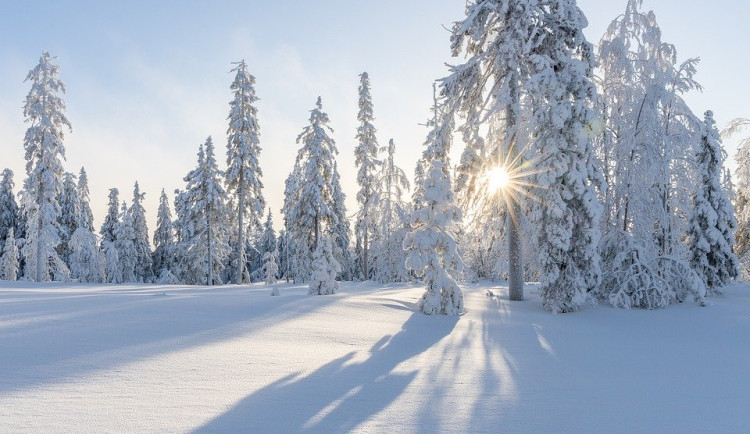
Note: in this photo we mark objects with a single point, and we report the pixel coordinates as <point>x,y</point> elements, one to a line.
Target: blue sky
<point>148,81</point>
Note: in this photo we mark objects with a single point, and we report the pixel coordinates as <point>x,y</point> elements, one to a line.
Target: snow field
<point>234,359</point>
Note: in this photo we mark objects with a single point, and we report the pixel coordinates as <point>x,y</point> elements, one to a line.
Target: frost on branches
<point>44,148</point>
<point>324,269</point>
<point>712,224</point>
<point>9,213</point>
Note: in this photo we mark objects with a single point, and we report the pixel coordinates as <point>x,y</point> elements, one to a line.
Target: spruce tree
<point>9,212</point>
<point>70,213</point>
<point>144,264</point>
<point>206,237</point>
<point>366,160</point>
<point>243,175</point>
<point>107,231</point>
<point>712,224</point>
<point>125,245</point>
<point>164,242</point>
<point>86,217</point>
<point>432,249</point>
<point>43,143</point>
<point>324,269</point>
<point>10,257</point>
<point>310,210</point>
<point>392,214</point>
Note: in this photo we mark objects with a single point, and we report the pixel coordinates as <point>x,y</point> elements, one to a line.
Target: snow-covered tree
<point>741,193</point>
<point>43,143</point>
<point>267,241</point>
<point>204,235</point>
<point>285,256</point>
<point>10,257</point>
<point>125,244</point>
<point>9,212</point>
<point>112,218</point>
<point>341,231</point>
<point>243,175</point>
<point>164,243</point>
<point>367,162</point>
<point>325,268</point>
<point>270,267</point>
<point>86,217</point>
<point>568,212</point>
<point>389,257</point>
<point>143,264</point>
<point>85,260</point>
<point>309,209</point>
<point>112,267</point>
<point>70,214</point>
<point>712,223</point>
<point>432,249</point>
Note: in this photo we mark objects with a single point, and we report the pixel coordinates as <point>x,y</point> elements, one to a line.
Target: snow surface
<point>125,358</point>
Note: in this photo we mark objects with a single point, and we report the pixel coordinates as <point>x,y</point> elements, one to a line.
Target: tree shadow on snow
<point>341,394</point>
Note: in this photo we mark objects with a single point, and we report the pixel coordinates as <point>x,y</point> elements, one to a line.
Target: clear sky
<point>148,81</point>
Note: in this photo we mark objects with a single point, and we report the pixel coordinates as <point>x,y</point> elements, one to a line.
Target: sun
<point>498,179</point>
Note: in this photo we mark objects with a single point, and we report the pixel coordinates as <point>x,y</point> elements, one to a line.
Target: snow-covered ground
<point>234,359</point>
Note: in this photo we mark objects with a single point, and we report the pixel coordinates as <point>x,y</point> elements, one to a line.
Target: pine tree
<point>270,267</point>
<point>43,143</point>
<point>205,237</point>
<point>325,268</point>
<point>432,249</point>
<point>164,242</point>
<point>389,257</point>
<point>309,210</point>
<point>144,264</point>
<point>112,218</point>
<point>267,240</point>
<point>243,175</point>
<point>341,231</point>
<point>112,267</point>
<point>9,212</point>
<point>86,217</point>
<point>70,213</point>
<point>10,257</point>
<point>366,160</point>
<point>125,244</point>
<point>85,259</point>
<point>742,193</point>
<point>712,224</point>
<point>568,212</point>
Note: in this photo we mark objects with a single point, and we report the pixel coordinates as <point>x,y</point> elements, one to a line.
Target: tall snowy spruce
<point>432,249</point>
<point>366,160</point>
<point>9,212</point>
<point>205,236</point>
<point>309,208</point>
<point>43,143</point>
<point>712,223</point>
<point>243,175</point>
<point>389,257</point>
<point>143,264</point>
<point>568,212</point>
